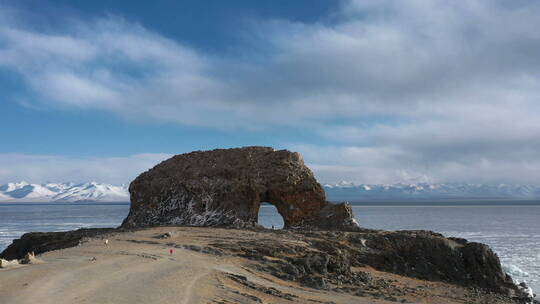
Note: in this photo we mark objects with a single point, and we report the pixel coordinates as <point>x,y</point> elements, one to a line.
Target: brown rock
<point>225,187</point>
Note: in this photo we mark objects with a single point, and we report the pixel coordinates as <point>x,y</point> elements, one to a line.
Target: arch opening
<point>268,216</point>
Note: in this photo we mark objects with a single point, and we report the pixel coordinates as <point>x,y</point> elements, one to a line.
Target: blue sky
<point>367,91</point>
<point>208,27</point>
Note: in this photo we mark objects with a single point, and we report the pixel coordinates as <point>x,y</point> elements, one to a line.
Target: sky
<point>367,91</point>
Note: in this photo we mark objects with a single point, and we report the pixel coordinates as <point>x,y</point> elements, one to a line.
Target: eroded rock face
<point>225,187</point>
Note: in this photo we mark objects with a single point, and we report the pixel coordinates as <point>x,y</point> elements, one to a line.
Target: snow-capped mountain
<point>63,192</point>
<point>342,191</point>
<point>345,191</point>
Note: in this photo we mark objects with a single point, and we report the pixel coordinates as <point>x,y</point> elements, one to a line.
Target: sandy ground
<point>136,267</point>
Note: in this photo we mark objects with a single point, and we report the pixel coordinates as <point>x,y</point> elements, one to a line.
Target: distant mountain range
<point>343,191</point>
<point>63,192</point>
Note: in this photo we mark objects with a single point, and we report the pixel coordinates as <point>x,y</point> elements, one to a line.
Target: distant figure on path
<point>171,251</point>
<point>106,242</point>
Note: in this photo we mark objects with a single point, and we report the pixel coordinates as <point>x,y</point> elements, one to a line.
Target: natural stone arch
<point>225,187</point>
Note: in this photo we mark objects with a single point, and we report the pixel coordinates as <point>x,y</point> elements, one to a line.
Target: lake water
<point>512,231</point>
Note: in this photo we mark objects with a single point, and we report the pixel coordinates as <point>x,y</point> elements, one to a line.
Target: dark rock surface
<point>40,242</point>
<point>267,290</point>
<point>225,187</point>
<point>329,258</point>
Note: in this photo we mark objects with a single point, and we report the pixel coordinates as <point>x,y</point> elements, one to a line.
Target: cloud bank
<point>47,168</point>
<point>393,91</point>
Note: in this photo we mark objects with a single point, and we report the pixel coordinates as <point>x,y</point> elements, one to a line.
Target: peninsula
<point>192,236</point>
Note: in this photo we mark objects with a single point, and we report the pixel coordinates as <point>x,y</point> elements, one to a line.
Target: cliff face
<point>225,187</point>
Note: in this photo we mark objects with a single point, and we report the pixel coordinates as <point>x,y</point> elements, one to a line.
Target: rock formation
<point>30,258</point>
<point>225,187</point>
<point>40,242</point>
<point>332,257</point>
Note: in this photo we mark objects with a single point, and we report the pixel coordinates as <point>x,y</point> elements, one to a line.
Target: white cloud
<point>371,165</point>
<point>51,168</point>
<point>387,166</point>
<point>447,90</point>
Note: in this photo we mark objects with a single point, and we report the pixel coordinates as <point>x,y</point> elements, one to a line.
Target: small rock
<point>361,293</point>
<point>363,242</point>
<point>525,293</point>
<point>30,258</point>
<point>166,235</point>
<point>364,277</point>
<point>291,269</point>
<point>391,298</point>
<point>6,263</point>
<point>314,282</point>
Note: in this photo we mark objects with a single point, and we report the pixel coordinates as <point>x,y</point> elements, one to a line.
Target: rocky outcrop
<point>225,187</point>
<point>421,254</point>
<point>40,242</point>
<point>330,260</point>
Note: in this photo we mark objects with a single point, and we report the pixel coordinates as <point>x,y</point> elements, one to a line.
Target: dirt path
<point>122,272</point>
<point>192,287</point>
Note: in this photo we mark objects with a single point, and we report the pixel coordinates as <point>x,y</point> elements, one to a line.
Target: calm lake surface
<point>512,231</point>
